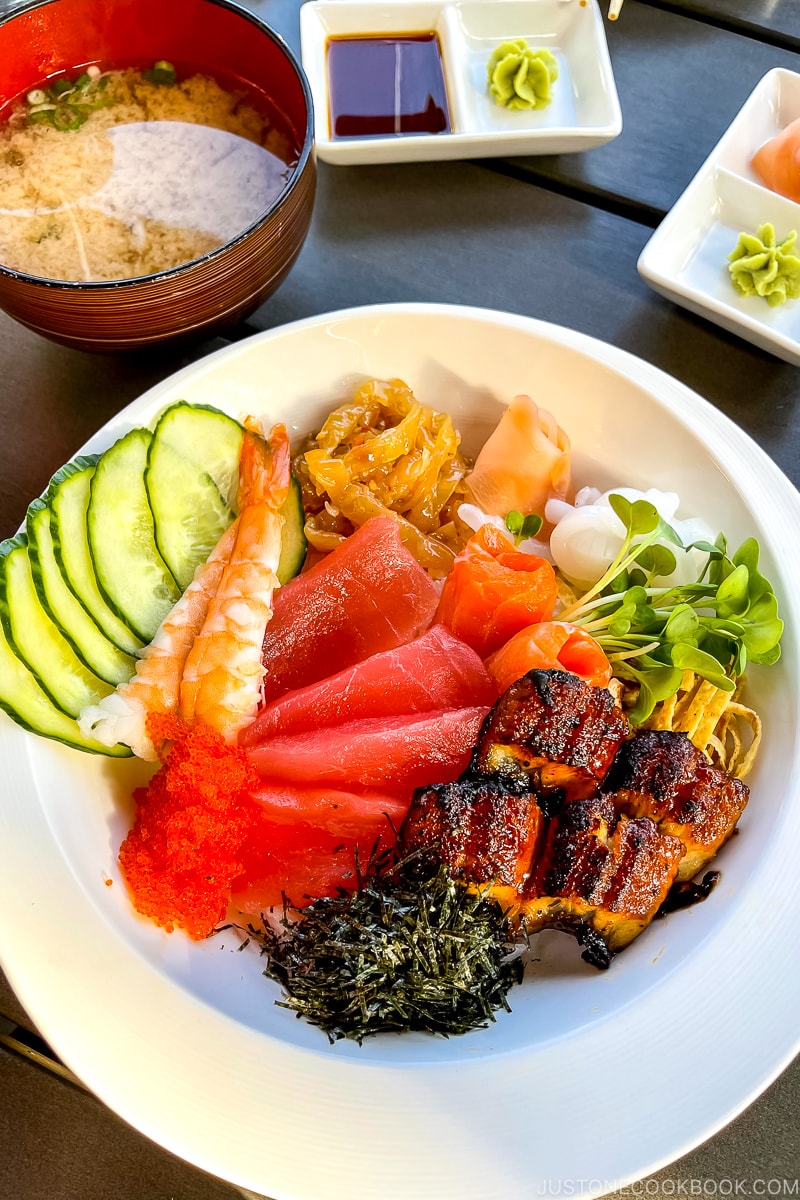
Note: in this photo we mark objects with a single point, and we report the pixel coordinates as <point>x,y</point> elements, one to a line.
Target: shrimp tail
<point>264,466</point>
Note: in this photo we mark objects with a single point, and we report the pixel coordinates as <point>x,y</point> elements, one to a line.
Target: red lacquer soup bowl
<point>42,43</point>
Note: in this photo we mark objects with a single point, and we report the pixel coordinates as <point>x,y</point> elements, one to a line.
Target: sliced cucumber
<point>293,538</point>
<point>68,500</point>
<point>189,513</point>
<point>37,641</point>
<point>131,574</point>
<point>192,463</point>
<point>87,640</point>
<point>26,703</point>
<point>208,438</point>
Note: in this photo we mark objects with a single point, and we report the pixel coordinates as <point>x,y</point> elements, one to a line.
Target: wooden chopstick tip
<point>614,9</point>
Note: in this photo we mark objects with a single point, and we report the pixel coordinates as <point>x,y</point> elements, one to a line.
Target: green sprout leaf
<point>727,618</point>
<point>657,560</point>
<point>689,658</point>
<point>682,625</point>
<point>522,527</point>
<point>733,594</point>
<point>656,683</point>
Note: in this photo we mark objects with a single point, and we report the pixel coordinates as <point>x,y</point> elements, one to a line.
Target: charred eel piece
<point>601,875</point>
<point>662,775</point>
<point>484,831</point>
<point>553,732</point>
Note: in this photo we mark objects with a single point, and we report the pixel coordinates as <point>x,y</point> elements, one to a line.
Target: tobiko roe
<point>192,822</point>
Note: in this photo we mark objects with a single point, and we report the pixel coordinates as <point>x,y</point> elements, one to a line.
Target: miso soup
<point>128,172</point>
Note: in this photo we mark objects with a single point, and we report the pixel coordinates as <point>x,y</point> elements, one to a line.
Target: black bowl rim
<point>110,285</point>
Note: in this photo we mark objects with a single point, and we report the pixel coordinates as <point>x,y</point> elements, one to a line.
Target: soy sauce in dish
<point>389,84</point>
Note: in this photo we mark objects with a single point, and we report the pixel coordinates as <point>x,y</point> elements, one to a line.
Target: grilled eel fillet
<point>552,732</point>
<point>570,822</point>
<point>662,775</point>
<point>588,870</point>
<point>481,829</point>
<point>601,875</point>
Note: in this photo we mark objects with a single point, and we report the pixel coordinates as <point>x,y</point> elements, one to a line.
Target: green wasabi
<point>760,265</point>
<point>521,78</point>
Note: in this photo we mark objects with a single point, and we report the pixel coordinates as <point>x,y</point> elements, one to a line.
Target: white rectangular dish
<point>686,259</point>
<point>584,111</point>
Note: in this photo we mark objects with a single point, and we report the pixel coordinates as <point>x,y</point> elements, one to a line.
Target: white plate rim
<point>292,1094</point>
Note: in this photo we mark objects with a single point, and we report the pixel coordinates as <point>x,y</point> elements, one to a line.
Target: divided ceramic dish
<point>686,258</point>
<point>584,111</point>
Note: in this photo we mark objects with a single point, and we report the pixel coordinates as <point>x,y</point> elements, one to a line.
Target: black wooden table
<point>466,233</point>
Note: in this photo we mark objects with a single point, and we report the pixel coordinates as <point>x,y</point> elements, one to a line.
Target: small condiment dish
<point>686,259</point>
<point>584,110</point>
<point>40,41</point>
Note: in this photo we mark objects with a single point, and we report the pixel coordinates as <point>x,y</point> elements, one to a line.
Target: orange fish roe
<point>192,821</point>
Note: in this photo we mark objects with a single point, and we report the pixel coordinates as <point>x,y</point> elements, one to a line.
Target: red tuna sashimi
<point>303,863</point>
<point>368,595</point>
<point>435,671</point>
<point>395,752</point>
<point>344,813</point>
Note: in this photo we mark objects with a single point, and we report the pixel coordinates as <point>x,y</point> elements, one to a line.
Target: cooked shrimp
<point>155,687</point>
<point>221,683</point>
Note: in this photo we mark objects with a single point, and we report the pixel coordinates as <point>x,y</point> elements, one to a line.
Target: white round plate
<point>595,1079</point>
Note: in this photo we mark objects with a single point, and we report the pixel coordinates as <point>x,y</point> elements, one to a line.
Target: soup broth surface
<point>126,176</point>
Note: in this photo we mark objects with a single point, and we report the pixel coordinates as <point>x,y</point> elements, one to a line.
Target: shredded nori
<point>405,951</point>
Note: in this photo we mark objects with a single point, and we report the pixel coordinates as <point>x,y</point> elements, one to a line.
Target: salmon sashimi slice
<point>368,595</point>
<point>494,590</point>
<point>435,671</point>
<point>550,645</point>
<point>399,753</point>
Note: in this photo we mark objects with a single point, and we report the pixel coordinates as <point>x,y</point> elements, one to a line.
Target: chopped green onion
<point>36,97</point>
<point>65,117</point>
<point>161,72</point>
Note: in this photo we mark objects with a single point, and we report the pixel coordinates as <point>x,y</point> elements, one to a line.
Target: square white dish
<point>584,111</point>
<point>686,258</point>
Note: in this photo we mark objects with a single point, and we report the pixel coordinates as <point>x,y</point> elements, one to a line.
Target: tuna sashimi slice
<point>302,863</point>
<point>338,811</point>
<point>368,595</point>
<point>435,671</point>
<point>393,752</point>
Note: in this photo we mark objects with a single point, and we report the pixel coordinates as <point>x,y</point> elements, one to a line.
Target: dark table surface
<point>467,233</point>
